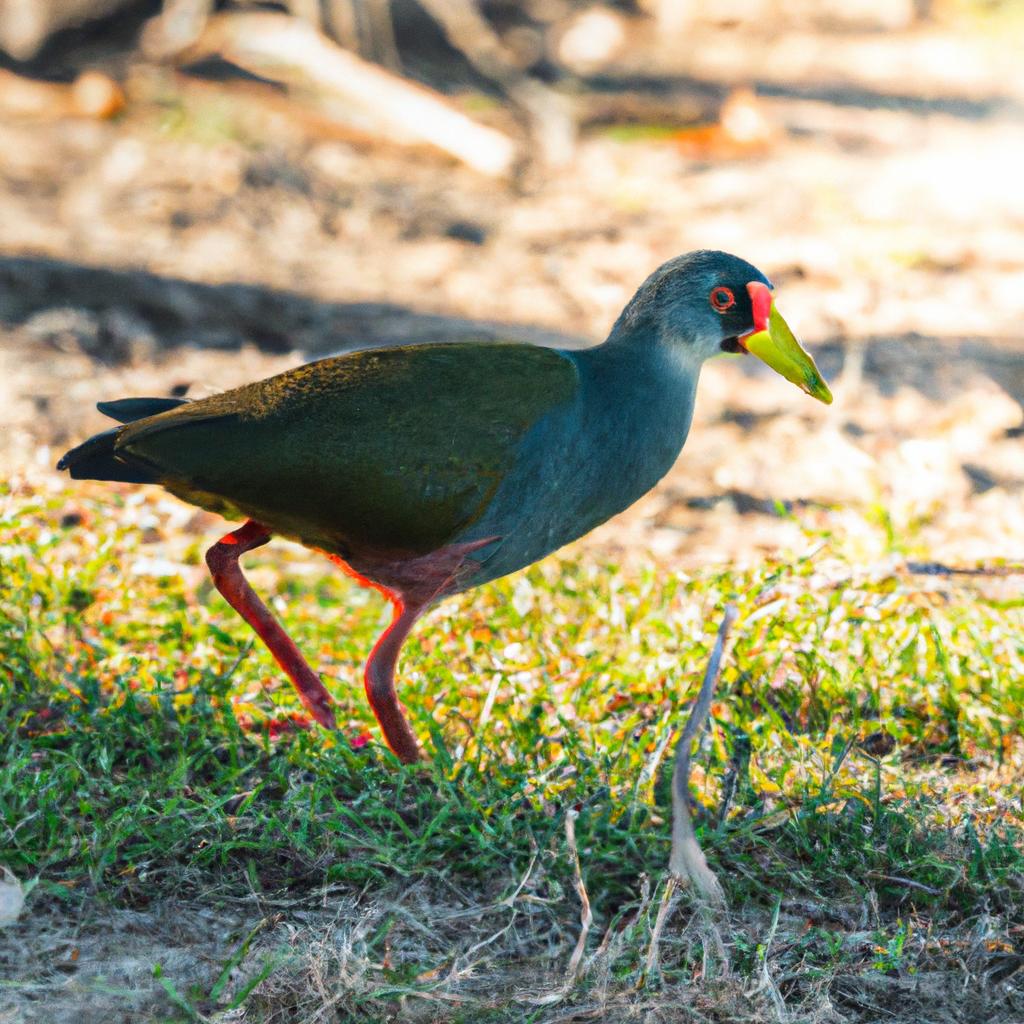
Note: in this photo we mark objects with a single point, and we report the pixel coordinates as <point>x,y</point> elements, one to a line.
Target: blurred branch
<point>552,124</point>
<point>92,94</point>
<point>342,22</point>
<point>366,97</point>
<point>25,25</point>
<point>177,27</point>
<point>381,45</point>
<point>366,27</point>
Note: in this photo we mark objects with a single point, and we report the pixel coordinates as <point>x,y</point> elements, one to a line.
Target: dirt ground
<point>198,242</point>
<point>87,973</point>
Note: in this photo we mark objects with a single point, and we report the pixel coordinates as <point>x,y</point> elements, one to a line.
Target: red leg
<point>222,559</point>
<point>413,585</point>
<point>380,683</point>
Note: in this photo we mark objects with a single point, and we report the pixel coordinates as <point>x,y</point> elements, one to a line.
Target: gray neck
<point>639,396</point>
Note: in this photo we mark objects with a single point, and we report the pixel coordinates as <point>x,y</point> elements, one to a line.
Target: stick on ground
<point>687,860</point>
<point>576,965</point>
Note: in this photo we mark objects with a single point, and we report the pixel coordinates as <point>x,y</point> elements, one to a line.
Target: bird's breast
<point>586,464</point>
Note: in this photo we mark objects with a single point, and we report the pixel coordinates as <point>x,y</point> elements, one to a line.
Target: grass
<point>859,785</point>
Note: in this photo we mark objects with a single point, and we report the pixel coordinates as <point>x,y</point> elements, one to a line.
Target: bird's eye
<point>722,299</point>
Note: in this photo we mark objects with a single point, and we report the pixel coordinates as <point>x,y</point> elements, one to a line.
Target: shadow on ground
<point>172,312</point>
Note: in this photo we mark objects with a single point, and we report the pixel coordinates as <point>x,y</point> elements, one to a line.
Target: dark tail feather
<point>96,459</point>
<point>128,410</point>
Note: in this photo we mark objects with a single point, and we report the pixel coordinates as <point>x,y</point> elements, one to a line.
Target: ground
<point>196,855</point>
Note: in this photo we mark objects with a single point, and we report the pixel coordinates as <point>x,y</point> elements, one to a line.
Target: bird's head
<point>708,302</point>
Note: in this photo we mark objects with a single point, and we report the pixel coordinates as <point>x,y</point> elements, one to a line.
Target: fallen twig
<point>938,569</point>
<point>357,93</point>
<point>765,983</point>
<point>573,971</point>
<point>586,917</point>
<point>908,882</point>
<point>668,902</point>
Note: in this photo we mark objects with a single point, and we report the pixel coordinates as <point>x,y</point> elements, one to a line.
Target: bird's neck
<point>639,396</point>
<point>643,382</point>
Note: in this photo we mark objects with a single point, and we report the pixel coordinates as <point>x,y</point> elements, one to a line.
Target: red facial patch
<point>722,299</point>
<point>760,304</point>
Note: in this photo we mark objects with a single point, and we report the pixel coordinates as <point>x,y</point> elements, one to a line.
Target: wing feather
<point>398,449</point>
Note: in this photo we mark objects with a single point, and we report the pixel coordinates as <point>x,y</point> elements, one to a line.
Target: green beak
<point>777,346</point>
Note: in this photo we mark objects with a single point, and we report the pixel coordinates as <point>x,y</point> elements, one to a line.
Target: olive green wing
<point>397,449</point>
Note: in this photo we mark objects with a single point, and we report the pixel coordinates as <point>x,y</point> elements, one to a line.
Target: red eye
<point>722,299</point>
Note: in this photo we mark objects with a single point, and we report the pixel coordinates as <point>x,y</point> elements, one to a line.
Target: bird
<point>427,470</point>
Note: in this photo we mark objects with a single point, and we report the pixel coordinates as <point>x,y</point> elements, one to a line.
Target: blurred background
<point>195,194</point>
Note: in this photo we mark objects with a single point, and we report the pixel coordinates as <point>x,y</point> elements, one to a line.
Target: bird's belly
<point>417,579</point>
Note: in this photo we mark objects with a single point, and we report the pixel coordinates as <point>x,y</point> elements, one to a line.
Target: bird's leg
<point>222,559</point>
<point>380,682</point>
<point>413,585</point>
